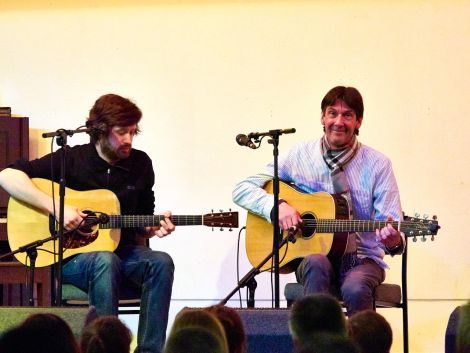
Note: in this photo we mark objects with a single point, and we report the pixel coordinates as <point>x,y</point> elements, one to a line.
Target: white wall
<point>204,71</point>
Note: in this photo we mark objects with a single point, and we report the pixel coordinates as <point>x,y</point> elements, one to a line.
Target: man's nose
<point>339,120</point>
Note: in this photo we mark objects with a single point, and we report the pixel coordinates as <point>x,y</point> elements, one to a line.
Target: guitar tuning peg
<point>212,228</point>
<point>432,237</point>
<point>221,210</point>
<point>221,229</point>
<point>212,210</point>
<point>425,216</point>
<point>423,238</point>
<point>417,215</point>
<point>230,229</point>
<point>434,218</point>
<point>414,239</point>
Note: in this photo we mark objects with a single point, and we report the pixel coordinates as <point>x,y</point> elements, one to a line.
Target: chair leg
<point>405,298</point>
<point>405,327</point>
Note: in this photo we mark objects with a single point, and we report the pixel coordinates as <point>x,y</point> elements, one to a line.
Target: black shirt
<point>131,179</point>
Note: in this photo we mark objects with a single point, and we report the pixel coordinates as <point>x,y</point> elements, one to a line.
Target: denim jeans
<point>356,286</point>
<point>101,274</point>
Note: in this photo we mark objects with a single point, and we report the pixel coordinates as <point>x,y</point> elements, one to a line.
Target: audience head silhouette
<point>463,330</point>
<point>106,334</point>
<point>327,342</point>
<point>370,331</point>
<point>40,333</point>
<point>194,340</point>
<point>198,318</point>
<point>316,313</point>
<point>233,327</point>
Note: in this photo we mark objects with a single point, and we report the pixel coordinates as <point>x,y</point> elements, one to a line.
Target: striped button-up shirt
<point>373,188</point>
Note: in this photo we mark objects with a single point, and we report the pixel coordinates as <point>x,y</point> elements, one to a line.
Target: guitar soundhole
<point>309,225</point>
<point>86,234</point>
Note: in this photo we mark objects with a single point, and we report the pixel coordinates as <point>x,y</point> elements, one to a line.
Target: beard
<point>115,154</point>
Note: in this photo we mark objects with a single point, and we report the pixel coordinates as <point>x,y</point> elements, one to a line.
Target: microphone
<point>244,140</point>
<point>96,128</point>
<point>103,218</point>
<point>63,132</point>
<point>85,228</point>
<point>292,232</point>
<point>95,218</point>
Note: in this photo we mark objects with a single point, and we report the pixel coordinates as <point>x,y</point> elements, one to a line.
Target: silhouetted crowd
<point>317,325</point>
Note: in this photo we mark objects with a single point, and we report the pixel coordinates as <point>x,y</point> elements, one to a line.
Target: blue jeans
<point>101,274</point>
<point>355,286</point>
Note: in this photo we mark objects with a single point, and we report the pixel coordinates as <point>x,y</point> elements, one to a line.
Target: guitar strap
<point>336,160</point>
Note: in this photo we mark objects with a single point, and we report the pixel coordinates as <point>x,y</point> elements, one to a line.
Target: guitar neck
<point>134,221</point>
<point>353,225</point>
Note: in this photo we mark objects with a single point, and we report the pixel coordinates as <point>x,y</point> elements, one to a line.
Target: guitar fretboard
<point>353,225</point>
<point>410,228</point>
<point>128,221</point>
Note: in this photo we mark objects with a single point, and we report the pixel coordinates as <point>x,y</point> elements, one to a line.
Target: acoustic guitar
<point>100,230</point>
<point>324,230</point>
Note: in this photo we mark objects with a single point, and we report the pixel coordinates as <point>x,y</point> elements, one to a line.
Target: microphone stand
<point>32,253</point>
<point>249,279</point>
<point>277,234</point>
<point>274,140</point>
<point>61,135</point>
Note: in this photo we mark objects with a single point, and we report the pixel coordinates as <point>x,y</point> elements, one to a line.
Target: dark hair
<point>349,95</point>
<point>326,342</point>
<point>111,110</point>
<point>40,333</point>
<point>319,312</point>
<point>193,317</point>
<point>463,329</point>
<point>233,326</point>
<point>364,325</point>
<point>106,334</point>
<point>193,340</point>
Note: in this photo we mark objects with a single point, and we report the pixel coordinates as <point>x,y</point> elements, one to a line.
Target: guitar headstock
<point>420,227</point>
<point>221,220</point>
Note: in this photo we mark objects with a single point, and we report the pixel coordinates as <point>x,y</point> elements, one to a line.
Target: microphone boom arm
<point>277,132</point>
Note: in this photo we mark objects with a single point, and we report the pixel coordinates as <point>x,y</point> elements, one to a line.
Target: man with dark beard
<point>109,162</point>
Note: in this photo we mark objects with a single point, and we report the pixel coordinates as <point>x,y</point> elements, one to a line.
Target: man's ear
<point>359,123</point>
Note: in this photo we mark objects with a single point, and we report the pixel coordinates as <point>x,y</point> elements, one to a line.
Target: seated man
<point>337,163</point>
<point>109,162</point>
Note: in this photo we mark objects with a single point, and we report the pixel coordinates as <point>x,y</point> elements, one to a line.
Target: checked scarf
<point>336,160</point>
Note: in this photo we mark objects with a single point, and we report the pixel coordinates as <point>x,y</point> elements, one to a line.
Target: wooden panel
<point>14,279</point>
<point>14,144</point>
<point>3,231</point>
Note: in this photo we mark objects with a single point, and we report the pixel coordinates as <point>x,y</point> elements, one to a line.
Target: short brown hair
<point>111,110</point>
<point>370,331</point>
<point>319,312</point>
<point>233,326</point>
<point>106,334</point>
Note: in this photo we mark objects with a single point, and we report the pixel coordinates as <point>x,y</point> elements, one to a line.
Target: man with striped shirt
<point>339,164</point>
